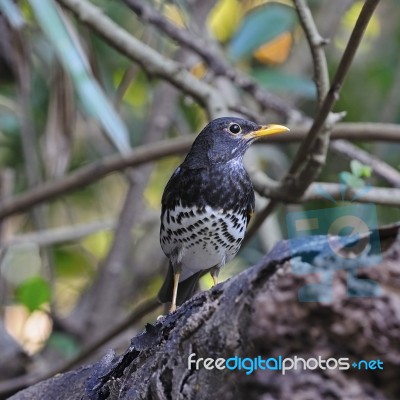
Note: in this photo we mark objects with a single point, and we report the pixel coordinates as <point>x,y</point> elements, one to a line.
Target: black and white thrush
<point>207,205</point>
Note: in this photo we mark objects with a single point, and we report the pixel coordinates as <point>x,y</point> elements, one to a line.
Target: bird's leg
<point>214,274</point>
<point>177,274</point>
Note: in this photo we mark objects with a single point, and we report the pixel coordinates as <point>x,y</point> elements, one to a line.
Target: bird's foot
<point>172,308</point>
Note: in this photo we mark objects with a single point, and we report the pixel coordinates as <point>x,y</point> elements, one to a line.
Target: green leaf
<point>360,170</point>
<point>282,82</point>
<point>74,61</point>
<point>356,167</point>
<point>71,262</point>
<point>351,180</point>
<point>33,293</point>
<point>261,26</point>
<point>63,344</point>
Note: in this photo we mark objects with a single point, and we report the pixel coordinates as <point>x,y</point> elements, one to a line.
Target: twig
<point>126,81</point>
<point>371,194</point>
<point>363,131</point>
<point>379,167</point>
<point>150,60</point>
<point>316,43</point>
<point>50,237</point>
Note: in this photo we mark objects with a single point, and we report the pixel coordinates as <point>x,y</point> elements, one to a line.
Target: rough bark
<point>258,313</point>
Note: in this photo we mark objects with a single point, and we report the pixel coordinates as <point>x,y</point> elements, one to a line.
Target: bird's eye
<point>235,129</point>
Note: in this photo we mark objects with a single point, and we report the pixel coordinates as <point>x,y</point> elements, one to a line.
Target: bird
<point>207,205</point>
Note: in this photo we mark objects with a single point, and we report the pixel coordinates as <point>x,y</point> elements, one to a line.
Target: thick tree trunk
<point>258,313</point>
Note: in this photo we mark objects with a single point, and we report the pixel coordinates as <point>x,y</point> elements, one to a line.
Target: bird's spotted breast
<point>201,238</point>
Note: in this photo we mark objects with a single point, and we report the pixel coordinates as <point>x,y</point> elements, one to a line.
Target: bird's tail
<point>186,288</point>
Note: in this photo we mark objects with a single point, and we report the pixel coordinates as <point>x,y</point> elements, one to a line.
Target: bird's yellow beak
<point>266,130</point>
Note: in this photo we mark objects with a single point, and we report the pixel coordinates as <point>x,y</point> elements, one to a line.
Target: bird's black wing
<point>169,197</point>
<point>186,186</point>
<point>250,207</point>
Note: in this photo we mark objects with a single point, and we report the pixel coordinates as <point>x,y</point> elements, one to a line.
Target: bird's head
<point>226,139</point>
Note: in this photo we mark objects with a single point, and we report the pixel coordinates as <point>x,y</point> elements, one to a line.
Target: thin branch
<point>369,194</point>
<point>150,60</point>
<point>379,167</point>
<point>211,57</point>
<point>316,43</point>
<point>363,131</point>
<point>50,237</point>
<point>266,187</point>
<point>126,81</point>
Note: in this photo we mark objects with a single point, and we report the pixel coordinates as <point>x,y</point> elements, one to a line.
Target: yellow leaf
<point>276,51</point>
<point>198,70</point>
<point>224,19</point>
<point>173,13</point>
<point>98,243</point>
<point>347,25</point>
